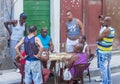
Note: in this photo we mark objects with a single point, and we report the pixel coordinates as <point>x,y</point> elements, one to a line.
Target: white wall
<point>18,9</point>
<point>55,23</point>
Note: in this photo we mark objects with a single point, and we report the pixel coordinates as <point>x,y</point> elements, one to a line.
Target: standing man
<point>105,42</point>
<point>48,46</point>
<point>33,49</point>
<point>101,21</point>
<point>86,48</point>
<point>16,33</point>
<point>102,28</point>
<point>46,40</point>
<point>74,29</point>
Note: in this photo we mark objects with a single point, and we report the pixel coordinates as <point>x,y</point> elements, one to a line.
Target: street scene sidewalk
<point>12,77</point>
<point>115,64</point>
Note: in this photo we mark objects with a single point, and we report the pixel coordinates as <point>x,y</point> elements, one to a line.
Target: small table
<point>58,57</point>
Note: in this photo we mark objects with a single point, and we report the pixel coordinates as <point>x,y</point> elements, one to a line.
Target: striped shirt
<point>105,45</point>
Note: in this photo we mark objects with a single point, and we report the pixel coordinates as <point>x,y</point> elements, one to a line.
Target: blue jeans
<point>12,49</point>
<point>33,72</point>
<point>13,43</point>
<point>104,66</point>
<point>98,59</point>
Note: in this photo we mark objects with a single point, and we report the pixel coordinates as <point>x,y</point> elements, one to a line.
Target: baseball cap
<point>107,18</point>
<point>23,15</point>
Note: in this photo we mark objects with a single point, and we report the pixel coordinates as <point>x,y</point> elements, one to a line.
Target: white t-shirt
<point>17,31</point>
<point>102,29</point>
<point>85,45</point>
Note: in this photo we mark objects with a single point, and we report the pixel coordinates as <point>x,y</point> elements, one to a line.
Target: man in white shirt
<point>101,21</point>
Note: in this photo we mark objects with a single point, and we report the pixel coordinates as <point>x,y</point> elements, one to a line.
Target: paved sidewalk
<point>115,65</point>
<point>114,61</point>
<point>12,77</point>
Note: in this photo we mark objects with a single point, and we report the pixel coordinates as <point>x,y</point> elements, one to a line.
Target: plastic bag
<point>67,75</point>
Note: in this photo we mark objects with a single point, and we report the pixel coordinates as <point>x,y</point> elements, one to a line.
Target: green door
<point>38,13</point>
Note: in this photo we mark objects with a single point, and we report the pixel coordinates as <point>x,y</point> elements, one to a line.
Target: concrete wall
<point>55,23</point>
<point>113,10</point>
<point>5,15</point>
<point>18,9</point>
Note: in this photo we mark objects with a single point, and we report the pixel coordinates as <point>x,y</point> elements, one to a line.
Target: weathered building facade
<point>2,38</point>
<point>86,10</point>
<point>5,14</point>
<point>11,9</point>
<point>113,10</point>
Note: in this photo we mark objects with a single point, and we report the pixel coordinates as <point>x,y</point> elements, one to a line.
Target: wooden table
<point>58,58</point>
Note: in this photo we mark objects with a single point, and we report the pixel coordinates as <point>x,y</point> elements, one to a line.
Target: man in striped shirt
<point>105,42</point>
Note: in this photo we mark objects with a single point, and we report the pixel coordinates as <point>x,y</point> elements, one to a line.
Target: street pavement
<point>12,77</point>
<point>115,79</point>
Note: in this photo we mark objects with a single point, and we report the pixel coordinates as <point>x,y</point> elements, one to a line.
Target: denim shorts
<point>33,71</point>
<point>70,45</point>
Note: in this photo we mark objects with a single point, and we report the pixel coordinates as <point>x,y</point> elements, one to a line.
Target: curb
<point>114,68</point>
<point>96,72</point>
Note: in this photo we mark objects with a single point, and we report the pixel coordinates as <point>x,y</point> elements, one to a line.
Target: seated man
<point>86,48</point>
<point>77,58</point>
<point>21,64</point>
<point>47,45</point>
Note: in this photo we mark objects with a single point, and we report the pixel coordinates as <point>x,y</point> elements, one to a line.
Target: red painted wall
<point>76,7</point>
<point>113,10</point>
<point>94,9</point>
<point>85,10</point>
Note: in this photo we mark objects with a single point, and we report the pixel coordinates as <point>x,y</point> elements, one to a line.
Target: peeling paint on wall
<point>113,10</point>
<point>5,8</point>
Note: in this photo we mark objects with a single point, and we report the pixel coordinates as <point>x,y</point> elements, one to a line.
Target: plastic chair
<point>78,72</point>
<point>21,67</point>
<point>91,56</point>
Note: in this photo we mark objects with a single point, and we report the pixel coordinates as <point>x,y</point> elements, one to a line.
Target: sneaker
<point>98,80</point>
<point>17,70</point>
